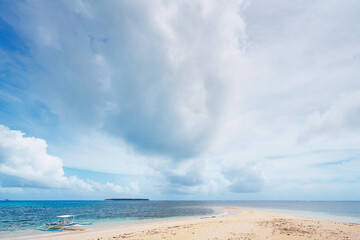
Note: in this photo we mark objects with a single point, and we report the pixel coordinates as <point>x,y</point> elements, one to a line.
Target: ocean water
<point>342,211</point>
<point>20,218</point>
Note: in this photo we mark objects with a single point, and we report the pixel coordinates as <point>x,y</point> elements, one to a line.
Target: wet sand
<point>237,224</point>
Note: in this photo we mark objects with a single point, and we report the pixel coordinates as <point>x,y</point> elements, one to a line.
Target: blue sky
<point>244,99</point>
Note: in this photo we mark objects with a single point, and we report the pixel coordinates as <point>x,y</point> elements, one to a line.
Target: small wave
<point>17,220</point>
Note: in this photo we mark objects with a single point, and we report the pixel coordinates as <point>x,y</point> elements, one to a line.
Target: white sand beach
<point>237,224</point>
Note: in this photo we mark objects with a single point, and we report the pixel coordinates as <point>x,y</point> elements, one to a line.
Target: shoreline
<point>309,214</point>
<point>114,225</point>
<point>237,223</point>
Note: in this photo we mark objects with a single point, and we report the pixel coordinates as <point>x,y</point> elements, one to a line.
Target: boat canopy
<point>66,216</point>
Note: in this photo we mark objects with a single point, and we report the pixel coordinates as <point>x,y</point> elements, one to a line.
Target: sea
<point>22,218</point>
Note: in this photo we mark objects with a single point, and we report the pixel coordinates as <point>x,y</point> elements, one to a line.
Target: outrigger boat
<point>65,222</point>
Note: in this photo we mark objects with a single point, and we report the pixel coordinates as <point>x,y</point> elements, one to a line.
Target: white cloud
<point>153,76</point>
<point>90,151</point>
<point>26,159</point>
<point>24,162</point>
<point>243,176</point>
<point>343,115</point>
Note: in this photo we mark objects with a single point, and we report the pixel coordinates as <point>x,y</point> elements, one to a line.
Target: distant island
<point>127,199</point>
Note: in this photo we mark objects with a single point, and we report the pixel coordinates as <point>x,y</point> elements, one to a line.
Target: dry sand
<point>239,224</point>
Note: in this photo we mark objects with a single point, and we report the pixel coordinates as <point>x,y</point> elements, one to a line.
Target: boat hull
<point>71,227</point>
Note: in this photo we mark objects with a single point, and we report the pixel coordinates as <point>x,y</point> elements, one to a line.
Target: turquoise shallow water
<point>23,217</point>
<point>19,218</point>
<point>342,211</point>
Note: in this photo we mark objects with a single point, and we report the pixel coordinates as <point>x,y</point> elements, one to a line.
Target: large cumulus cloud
<point>25,163</point>
<point>150,73</point>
